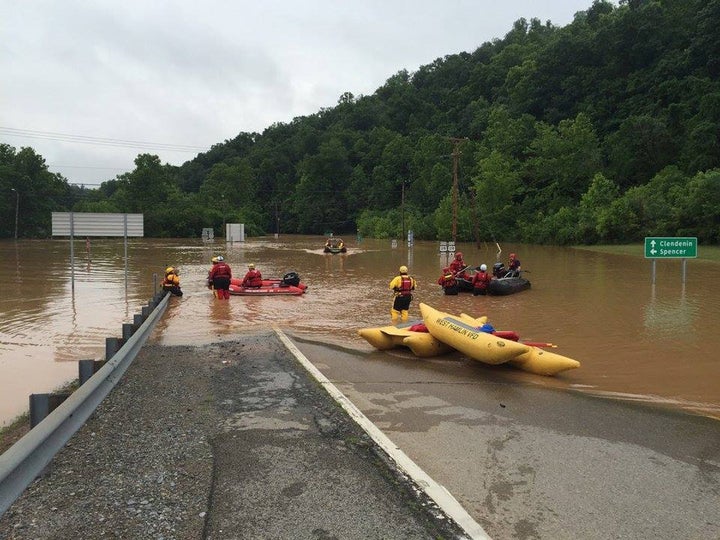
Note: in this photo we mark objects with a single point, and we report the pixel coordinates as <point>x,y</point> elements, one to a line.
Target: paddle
<point>461,271</point>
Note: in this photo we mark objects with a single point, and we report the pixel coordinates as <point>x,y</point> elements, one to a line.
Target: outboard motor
<point>291,278</point>
<point>499,269</point>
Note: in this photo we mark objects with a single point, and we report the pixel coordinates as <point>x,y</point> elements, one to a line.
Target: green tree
<point>320,203</point>
<point>640,148</point>
<point>600,195</point>
<point>699,207</point>
<point>496,185</point>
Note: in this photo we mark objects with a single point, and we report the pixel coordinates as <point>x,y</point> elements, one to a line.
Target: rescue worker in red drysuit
<point>402,286</point>
<point>481,280</point>
<point>219,276</point>
<point>253,278</point>
<point>448,282</point>
<point>458,266</point>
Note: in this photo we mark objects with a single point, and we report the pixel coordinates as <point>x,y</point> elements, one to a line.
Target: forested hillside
<point>605,130</point>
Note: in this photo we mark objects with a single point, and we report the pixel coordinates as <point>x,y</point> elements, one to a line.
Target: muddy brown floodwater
<point>635,340</point>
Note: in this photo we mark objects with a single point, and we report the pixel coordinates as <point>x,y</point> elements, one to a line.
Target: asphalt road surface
<point>529,462</point>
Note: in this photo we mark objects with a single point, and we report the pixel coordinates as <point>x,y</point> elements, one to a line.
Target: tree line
<point>605,130</point>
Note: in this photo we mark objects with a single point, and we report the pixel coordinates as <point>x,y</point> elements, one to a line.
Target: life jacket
<point>406,286</point>
<point>220,270</point>
<point>481,280</point>
<point>253,279</point>
<point>170,280</point>
<point>447,280</point>
<point>456,266</point>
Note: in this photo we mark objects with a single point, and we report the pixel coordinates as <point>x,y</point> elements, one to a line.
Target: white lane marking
<point>438,493</point>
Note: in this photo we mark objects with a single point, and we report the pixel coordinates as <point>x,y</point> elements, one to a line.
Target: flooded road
<point>635,341</point>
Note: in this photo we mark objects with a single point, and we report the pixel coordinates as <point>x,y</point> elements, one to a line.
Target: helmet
<point>403,269</point>
<point>214,260</point>
<point>483,268</point>
<point>169,270</point>
<point>220,258</point>
<point>251,265</point>
<point>512,255</point>
<point>458,255</point>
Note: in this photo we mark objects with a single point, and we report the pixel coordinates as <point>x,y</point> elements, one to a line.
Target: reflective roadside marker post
<point>661,247</point>
<point>447,250</point>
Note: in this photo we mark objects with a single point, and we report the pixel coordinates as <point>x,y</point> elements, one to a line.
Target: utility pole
<point>456,156</point>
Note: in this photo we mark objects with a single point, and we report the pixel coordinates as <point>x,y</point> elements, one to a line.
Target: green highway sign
<point>670,247</point>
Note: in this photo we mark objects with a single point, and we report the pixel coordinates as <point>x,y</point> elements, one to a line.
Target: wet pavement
<point>529,462</point>
<point>228,440</point>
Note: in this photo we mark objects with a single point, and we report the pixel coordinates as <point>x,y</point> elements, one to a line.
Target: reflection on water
<point>672,317</point>
<point>635,340</point>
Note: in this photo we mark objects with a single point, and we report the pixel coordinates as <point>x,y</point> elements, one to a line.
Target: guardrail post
<point>39,408</point>
<point>43,404</point>
<point>112,345</point>
<point>146,311</point>
<point>87,368</point>
<point>127,331</point>
<point>138,320</point>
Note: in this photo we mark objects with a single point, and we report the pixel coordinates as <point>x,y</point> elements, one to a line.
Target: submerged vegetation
<point>602,131</point>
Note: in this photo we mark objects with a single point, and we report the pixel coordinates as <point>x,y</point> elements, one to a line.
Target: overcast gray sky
<point>83,82</point>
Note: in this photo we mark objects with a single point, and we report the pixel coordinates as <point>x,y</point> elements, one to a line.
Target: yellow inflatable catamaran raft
<point>422,344</point>
<point>459,334</point>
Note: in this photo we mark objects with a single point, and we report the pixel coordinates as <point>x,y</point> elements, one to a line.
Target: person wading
<point>402,286</point>
<point>220,275</point>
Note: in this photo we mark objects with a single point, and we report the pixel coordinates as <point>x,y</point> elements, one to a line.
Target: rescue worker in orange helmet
<point>458,266</point>
<point>402,286</point>
<point>513,266</point>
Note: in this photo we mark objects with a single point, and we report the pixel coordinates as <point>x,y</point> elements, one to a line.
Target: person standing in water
<point>402,286</point>
<point>481,280</point>
<point>220,276</point>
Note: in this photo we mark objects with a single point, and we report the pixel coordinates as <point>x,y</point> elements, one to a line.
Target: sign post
<point>661,247</point>
<point>96,224</point>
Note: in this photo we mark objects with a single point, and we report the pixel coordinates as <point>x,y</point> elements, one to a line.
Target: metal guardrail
<point>27,458</point>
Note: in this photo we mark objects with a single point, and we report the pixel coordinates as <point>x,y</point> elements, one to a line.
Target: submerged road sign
<point>670,247</point>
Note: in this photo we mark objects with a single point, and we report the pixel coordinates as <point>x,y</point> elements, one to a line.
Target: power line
<point>98,141</point>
